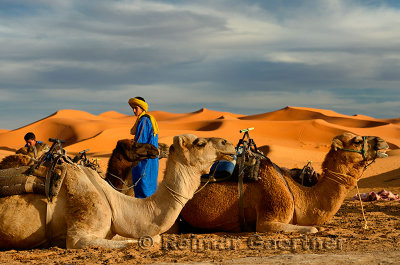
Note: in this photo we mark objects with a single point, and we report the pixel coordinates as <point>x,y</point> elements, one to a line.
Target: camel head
<point>199,153</point>
<point>136,152</point>
<point>355,149</point>
<point>16,160</point>
<point>163,149</point>
<point>40,150</point>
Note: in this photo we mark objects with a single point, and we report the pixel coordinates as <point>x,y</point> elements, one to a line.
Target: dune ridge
<point>292,131</point>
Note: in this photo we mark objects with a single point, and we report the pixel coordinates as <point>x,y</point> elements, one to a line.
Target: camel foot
<point>83,242</point>
<point>282,227</point>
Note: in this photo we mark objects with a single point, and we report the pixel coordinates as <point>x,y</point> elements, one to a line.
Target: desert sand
<point>290,136</point>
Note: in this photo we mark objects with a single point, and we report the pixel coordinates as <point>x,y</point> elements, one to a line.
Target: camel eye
<point>358,141</point>
<point>199,143</point>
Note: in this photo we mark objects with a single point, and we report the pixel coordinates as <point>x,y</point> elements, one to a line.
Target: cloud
<point>93,56</point>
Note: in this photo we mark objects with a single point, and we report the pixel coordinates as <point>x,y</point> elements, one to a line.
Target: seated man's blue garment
<point>145,174</point>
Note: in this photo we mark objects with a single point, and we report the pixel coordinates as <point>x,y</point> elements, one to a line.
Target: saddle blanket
<point>383,195</point>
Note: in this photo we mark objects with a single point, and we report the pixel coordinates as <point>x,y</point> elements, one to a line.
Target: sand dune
<point>112,114</point>
<point>293,113</point>
<point>292,135</point>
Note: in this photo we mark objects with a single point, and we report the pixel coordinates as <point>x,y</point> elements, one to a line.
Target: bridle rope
<point>176,195</point>
<point>339,177</point>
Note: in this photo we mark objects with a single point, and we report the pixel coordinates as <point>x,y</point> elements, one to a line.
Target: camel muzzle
<point>381,148</point>
<point>226,156</point>
<point>381,154</point>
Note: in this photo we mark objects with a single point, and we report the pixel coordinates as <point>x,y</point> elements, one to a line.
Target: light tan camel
<point>271,205</point>
<point>88,211</point>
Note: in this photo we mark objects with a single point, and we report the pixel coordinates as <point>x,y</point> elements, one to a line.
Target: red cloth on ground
<point>383,195</point>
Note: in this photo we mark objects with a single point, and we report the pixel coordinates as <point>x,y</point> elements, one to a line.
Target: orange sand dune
<point>203,114</point>
<point>112,114</point>
<point>292,135</point>
<point>294,113</point>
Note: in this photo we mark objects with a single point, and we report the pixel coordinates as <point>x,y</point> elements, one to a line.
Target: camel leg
<point>269,226</point>
<point>88,241</point>
<point>83,241</point>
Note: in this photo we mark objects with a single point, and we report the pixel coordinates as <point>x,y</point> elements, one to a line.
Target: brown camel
<point>122,159</point>
<point>89,212</point>
<point>22,157</point>
<point>278,203</point>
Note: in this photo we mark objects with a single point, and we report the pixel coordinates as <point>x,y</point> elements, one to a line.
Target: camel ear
<point>22,150</point>
<point>181,141</point>
<point>121,145</point>
<point>337,144</point>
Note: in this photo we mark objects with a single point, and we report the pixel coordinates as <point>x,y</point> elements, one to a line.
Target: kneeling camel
<point>276,202</point>
<point>89,212</point>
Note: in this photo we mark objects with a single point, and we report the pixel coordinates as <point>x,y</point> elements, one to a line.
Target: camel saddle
<point>45,180</point>
<point>224,170</point>
<point>246,164</point>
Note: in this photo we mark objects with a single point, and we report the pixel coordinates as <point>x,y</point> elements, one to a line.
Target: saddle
<point>44,177</point>
<point>244,167</point>
<point>45,180</point>
<point>307,176</point>
<point>249,165</point>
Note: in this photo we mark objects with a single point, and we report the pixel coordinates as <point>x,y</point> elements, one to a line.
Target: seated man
<point>33,148</point>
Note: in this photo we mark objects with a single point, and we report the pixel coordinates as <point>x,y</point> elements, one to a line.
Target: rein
<point>120,179</point>
<point>363,152</point>
<point>341,178</point>
<point>176,195</point>
<point>124,183</point>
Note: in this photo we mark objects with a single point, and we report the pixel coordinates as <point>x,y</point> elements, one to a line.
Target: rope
<point>362,209</point>
<point>123,182</point>
<point>175,195</point>
<point>341,180</point>
<point>359,195</point>
<point>208,181</point>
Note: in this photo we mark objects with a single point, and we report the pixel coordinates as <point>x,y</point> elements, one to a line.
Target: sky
<point>242,56</point>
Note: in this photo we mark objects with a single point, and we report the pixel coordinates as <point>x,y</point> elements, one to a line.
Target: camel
<point>22,157</point>
<point>277,202</point>
<point>122,159</point>
<point>89,212</point>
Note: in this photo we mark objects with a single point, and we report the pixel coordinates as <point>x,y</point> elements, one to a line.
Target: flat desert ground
<point>291,137</point>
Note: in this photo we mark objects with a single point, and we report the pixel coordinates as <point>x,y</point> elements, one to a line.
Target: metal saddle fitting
<point>82,159</point>
<point>307,176</point>
<point>246,162</point>
<point>248,158</point>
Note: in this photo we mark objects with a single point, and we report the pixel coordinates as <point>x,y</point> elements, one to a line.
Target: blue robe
<point>145,174</point>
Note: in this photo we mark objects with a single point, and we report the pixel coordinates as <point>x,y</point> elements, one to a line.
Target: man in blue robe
<point>145,174</point>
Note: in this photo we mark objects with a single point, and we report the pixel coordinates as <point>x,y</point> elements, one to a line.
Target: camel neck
<point>319,203</point>
<point>183,180</point>
<point>162,208</point>
<point>340,178</point>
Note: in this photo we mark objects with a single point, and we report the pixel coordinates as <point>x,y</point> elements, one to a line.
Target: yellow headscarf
<point>137,102</point>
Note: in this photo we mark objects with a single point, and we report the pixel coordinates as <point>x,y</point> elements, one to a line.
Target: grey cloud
<point>208,54</point>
